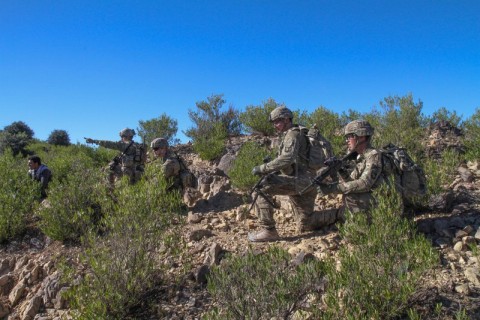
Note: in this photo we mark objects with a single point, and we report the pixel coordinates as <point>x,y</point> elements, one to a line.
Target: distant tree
<point>16,136</point>
<point>161,127</point>
<point>212,126</point>
<point>330,126</point>
<point>59,138</point>
<point>443,114</point>
<point>472,135</point>
<point>255,118</point>
<point>209,113</point>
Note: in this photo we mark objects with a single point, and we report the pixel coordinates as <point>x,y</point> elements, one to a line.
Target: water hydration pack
<point>318,148</point>
<point>409,176</point>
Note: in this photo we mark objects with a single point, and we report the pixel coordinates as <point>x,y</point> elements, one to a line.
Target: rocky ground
<point>30,286</point>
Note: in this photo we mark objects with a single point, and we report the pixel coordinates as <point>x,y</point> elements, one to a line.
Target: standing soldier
<point>131,160</point>
<point>287,174</point>
<point>357,185</point>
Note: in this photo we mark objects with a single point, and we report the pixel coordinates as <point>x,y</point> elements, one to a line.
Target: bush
<point>250,154</point>
<point>381,270</point>
<point>18,196</point>
<point>330,126</point>
<point>440,173</point>
<point>255,118</point>
<point>262,286</point>
<point>472,136</point>
<point>142,230</point>
<point>59,138</point>
<point>211,146</point>
<point>74,203</point>
<point>161,127</point>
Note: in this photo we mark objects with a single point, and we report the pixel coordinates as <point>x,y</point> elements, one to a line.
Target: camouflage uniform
<point>358,183</point>
<point>289,175</point>
<point>170,165</point>
<point>128,163</point>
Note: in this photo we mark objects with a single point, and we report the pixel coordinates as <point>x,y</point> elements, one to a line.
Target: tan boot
<point>264,235</point>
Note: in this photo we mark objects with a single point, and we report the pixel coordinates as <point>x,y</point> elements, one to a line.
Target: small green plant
<point>250,154</point>
<point>211,146</point>
<point>413,314</point>
<point>440,173</point>
<point>142,229</point>
<point>380,271</point>
<point>262,286</point>
<point>255,118</point>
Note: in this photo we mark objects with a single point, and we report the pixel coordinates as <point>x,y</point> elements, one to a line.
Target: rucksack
<point>410,177</point>
<point>140,154</point>
<point>318,148</point>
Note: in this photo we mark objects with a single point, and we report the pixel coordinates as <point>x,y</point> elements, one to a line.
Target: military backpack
<point>318,148</point>
<point>409,176</point>
<point>187,178</point>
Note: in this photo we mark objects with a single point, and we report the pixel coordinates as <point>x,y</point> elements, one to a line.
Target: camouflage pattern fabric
<point>127,165</point>
<point>293,176</point>
<point>363,179</point>
<point>170,167</point>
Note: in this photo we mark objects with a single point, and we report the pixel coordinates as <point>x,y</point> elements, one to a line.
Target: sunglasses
<point>350,136</point>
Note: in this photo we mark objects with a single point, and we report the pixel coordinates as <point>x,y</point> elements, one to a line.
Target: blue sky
<point>95,67</point>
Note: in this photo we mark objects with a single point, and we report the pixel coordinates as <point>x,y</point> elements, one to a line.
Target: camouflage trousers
<point>115,173</point>
<point>287,186</point>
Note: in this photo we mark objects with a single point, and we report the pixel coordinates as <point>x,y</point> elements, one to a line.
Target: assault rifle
<point>332,165</point>
<point>258,189</point>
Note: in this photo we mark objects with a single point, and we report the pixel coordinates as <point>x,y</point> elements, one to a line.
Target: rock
<point>6,283</point>
<point>468,240</point>
<point>302,257</point>
<point>459,246</point>
<point>17,293</point>
<point>199,233</point>
<point>465,174</point>
<point>226,163</point>
<point>201,274</point>
<point>460,234</point>
<point>193,217</point>
<point>442,242</point>
<point>32,308</point>
<point>60,301</point>
<point>5,267</point>
<point>473,275</point>
<point>213,256</point>
<point>463,289</point>
<point>441,202</point>
<point>4,310</point>
<point>477,234</point>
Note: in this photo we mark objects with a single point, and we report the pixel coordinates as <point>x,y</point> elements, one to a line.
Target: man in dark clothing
<point>39,172</point>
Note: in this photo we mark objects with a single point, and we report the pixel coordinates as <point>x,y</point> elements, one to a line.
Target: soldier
<point>357,184</point>
<point>287,174</point>
<point>169,161</point>
<point>39,172</point>
<point>129,162</point>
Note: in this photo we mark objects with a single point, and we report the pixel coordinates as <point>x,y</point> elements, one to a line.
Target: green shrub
<point>472,136</point>
<point>440,173</point>
<point>211,146</point>
<point>18,195</point>
<point>255,118</point>
<point>330,126</point>
<point>250,154</point>
<point>382,267</point>
<point>261,286</point>
<point>142,231</point>
<point>74,203</point>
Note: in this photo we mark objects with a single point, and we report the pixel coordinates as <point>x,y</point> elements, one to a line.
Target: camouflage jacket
<point>170,167</point>
<point>291,154</point>
<point>366,175</point>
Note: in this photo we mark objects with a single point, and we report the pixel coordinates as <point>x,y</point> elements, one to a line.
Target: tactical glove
<point>327,188</point>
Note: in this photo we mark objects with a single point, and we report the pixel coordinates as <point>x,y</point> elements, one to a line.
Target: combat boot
<point>318,220</point>
<point>264,235</point>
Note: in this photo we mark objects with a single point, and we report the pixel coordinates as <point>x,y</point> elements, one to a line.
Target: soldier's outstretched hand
<point>88,140</point>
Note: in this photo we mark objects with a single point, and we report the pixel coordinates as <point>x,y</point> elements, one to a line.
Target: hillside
<point>217,224</point>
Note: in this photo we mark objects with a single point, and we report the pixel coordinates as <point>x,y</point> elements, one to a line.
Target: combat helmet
<point>127,132</point>
<point>360,128</point>
<point>159,143</point>
<point>279,113</point>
